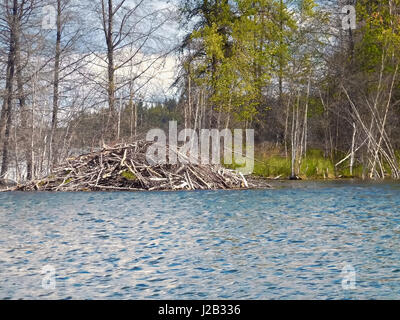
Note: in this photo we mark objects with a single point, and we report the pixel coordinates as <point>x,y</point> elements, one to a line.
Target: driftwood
<point>125,168</point>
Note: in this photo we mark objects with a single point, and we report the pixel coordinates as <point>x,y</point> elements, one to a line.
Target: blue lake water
<point>286,243</point>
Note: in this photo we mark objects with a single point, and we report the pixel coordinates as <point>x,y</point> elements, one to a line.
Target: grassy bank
<point>313,166</point>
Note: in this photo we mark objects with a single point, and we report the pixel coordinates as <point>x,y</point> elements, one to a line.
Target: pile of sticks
<point>125,167</point>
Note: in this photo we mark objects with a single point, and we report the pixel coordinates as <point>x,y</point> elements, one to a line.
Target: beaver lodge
<point>125,167</point>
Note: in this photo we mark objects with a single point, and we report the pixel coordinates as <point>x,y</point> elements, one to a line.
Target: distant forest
<point>308,76</point>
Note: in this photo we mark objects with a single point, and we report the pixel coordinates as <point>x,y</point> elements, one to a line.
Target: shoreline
<point>256,182</point>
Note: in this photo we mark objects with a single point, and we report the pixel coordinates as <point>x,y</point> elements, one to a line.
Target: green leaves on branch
<point>245,45</point>
<point>380,29</point>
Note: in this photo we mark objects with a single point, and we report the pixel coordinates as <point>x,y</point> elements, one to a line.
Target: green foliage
<point>128,175</point>
<point>272,167</point>
<point>315,165</point>
<point>397,153</point>
<point>159,116</point>
<point>316,107</point>
<point>380,35</point>
<point>244,42</point>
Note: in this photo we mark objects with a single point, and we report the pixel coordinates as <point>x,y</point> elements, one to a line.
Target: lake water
<point>286,243</point>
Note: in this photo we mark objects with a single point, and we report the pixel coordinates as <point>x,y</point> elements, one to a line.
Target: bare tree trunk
<point>17,169</point>
<point>298,138</point>
<point>190,101</point>
<point>185,115</point>
<point>352,149</point>
<point>382,128</point>
<point>107,20</point>
<point>294,139</point>
<point>32,155</point>
<point>286,128</point>
<point>111,93</point>
<point>132,111</point>
<point>119,119</point>
<point>24,112</point>
<point>305,132</point>
<point>52,159</point>
<point>229,113</point>
<point>9,89</point>
<point>136,118</point>
<point>4,109</point>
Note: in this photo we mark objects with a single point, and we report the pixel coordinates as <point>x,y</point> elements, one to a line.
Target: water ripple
<point>288,243</point>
